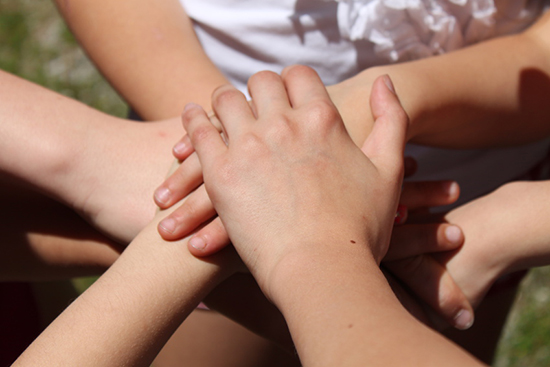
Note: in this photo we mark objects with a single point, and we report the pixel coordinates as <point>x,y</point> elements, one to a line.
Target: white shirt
<point>340,38</point>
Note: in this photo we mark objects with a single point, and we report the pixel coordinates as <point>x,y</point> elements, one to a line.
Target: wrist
<point>318,268</point>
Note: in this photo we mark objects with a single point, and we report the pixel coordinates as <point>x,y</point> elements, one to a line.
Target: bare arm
<point>147,50</point>
<point>323,274</point>
<point>76,155</point>
<point>130,312</point>
<point>488,95</point>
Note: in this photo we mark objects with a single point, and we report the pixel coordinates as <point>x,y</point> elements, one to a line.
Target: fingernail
<point>180,148</point>
<point>453,189</point>
<point>168,224</point>
<point>453,234</point>
<point>464,320</point>
<point>198,243</point>
<point>401,215</point>
<point>389,83</point>
<point>162,195</point>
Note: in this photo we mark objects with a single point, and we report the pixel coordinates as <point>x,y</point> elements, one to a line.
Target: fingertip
<point>387,139</point>
<point>389,84</point>
<point>464,319</point>
<point>454,235</point>
<point>166,228</point>
<point>453,190</point>
<point>401,215</point>
<point>197,243</point>
<point>162,197</point>
<point>189,112</point>
<point>183,148</point>
<point>190,106</point>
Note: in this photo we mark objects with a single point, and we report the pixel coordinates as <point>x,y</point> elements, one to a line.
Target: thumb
<point>386,143</point>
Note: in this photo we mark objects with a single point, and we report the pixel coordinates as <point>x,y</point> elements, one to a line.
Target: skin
<point>302,260</point>
<point>346,97</point>
<point>481,107</point>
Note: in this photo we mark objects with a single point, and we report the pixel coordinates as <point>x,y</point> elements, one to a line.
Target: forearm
<point>131,311</point>
<point>488,95</point>
<point>344,313</point>
<point>75,154</point>
<point>44,133</point>
<point>44,240</point>
<point>162,67</point>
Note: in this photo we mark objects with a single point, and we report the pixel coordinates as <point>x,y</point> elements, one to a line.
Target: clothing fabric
<point>339,38</point>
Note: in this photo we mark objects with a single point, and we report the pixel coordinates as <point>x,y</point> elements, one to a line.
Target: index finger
<point>303,85</point>
<point>205,138</point>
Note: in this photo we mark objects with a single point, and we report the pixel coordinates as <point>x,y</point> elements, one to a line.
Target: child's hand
<point>292,156</point>
<point>412,244</point>
<point>505,231</point>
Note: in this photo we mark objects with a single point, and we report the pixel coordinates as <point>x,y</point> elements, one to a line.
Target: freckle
<point>352,241</point>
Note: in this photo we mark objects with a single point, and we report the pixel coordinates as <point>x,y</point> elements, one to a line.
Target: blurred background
<point>36,45</point>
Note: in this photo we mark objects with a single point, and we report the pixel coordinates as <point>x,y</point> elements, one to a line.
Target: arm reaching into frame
<point>163,66</point>
<point>130,312</point>
<point>273,187</point>
<point>470,98</point>
<point>75,154</point>
<point>493,94</point>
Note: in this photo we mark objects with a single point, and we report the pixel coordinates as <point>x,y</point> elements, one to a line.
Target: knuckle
<point>200,134</point>
<point>297,70</point>
<point>262,77</point>
<point>400,114</point>
<point>449,299</point>
<point>225,95</point>
<point>322,113</point>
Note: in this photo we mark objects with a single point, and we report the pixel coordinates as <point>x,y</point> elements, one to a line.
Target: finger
<point>415,195</point>
<point>401,215</point>
<point>268,93</point>
<point>183,148</point>
<point>193,212</point>
<point>433,284</point>
<point>386,143</point>
<point>231,109</point>
<point>416,239</point>
<point>303,85</point>
<point>210,239</point>
<point>410,166</point>
<point>186,178</point>
<point>204,137</point>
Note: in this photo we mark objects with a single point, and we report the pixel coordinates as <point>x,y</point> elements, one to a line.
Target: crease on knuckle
<point>200,134</point>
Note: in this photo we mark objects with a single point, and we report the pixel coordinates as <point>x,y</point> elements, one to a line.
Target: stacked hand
<point>411,247</point>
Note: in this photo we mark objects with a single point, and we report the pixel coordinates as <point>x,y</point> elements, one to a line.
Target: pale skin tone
<point>267,155</point>
<point>475,89</point>
<point>403,76</point>
<point>77,159</point>
<point>158,283</point>
<point>74,154</point>
<point>142,250</point>
<point>470,98</point>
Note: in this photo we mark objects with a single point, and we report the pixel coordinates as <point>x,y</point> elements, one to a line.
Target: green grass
<point>36,45</point>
